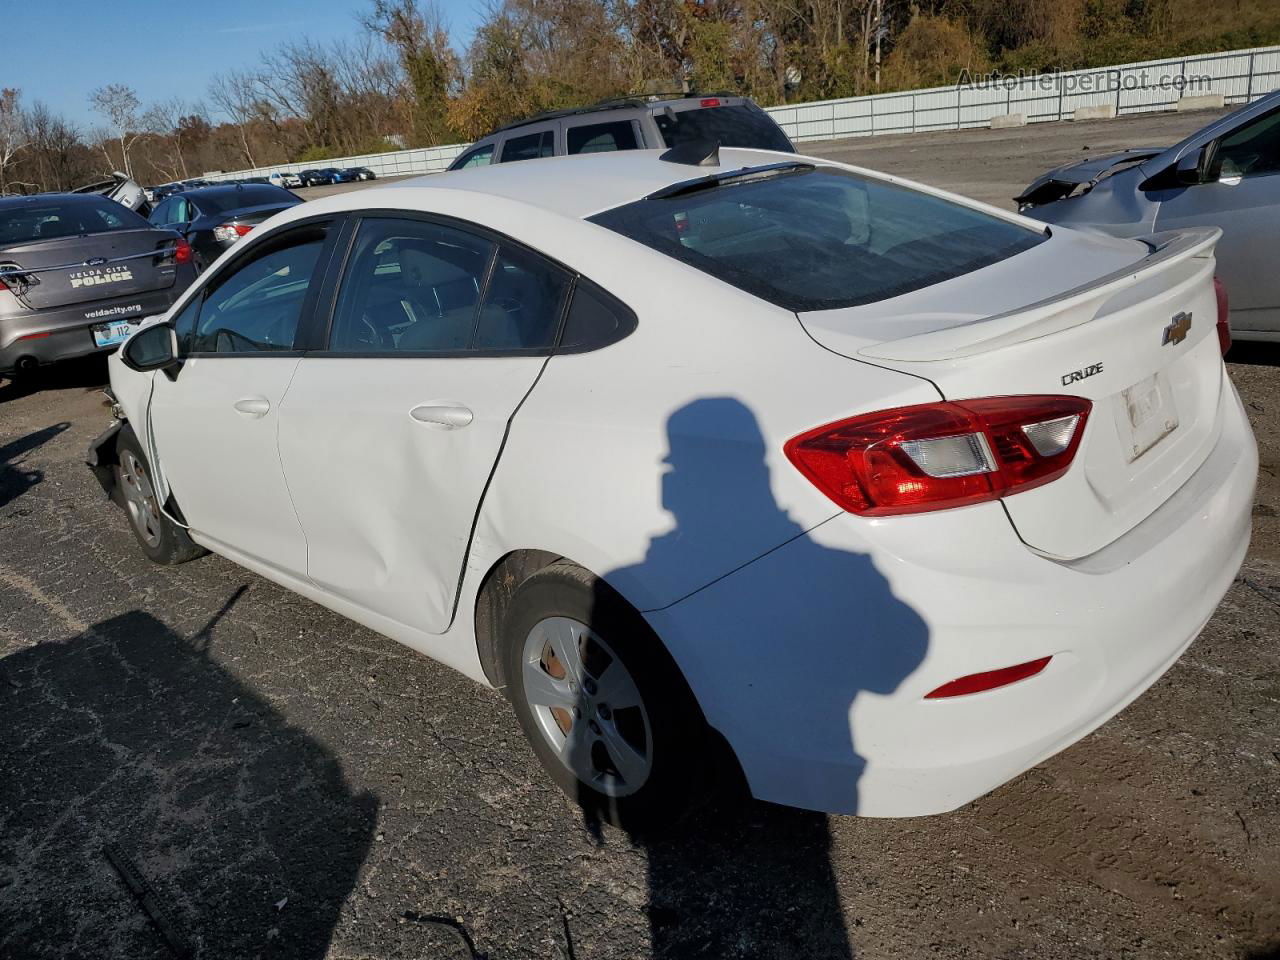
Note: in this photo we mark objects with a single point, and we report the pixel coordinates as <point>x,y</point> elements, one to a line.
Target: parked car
<point>337,175</point>
<point>121,188</point>
<point>632,123</point>
<point>285,179</point>
<point>77,272</point>
<point>888,493</point>
<point>1225,175</point>
<point>315,178</point>
<point>362,173</point>
<point>212,219</point>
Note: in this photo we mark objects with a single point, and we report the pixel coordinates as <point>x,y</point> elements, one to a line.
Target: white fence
<point>1238,75</point>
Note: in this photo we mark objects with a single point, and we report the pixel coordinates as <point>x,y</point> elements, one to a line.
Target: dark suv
<point>631,123</point>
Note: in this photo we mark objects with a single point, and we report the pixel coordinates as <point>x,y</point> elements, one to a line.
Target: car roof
<point>586,183</point>
<point>11,202</point>
<point>227,190</point>
<point>638,102</point>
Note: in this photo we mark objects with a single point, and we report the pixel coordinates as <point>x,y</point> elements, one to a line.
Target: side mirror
<point>152,348</point>
<point>1193,167</point>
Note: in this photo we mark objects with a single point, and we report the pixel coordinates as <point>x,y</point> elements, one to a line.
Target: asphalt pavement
<point>283,783</point>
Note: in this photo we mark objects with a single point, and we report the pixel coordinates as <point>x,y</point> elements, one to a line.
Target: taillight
<point>1224,315</point>
<point>231,232</point>
<point>709,102</point>
<point>182,252</point>
<point>938,455</point>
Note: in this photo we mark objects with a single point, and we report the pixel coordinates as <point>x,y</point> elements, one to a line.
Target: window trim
<point>341,261</point>
<point>310,303</point>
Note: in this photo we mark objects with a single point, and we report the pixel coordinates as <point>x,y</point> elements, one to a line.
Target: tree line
<point>400,81</point>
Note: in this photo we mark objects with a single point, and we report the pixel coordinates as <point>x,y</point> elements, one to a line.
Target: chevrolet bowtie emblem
<point>1177,329</point>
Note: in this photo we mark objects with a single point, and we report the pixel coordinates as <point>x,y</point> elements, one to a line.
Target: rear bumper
<point>814,660</point>
<point>47,336</point>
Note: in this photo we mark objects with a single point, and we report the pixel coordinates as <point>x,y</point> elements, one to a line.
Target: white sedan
<point>718,465</point>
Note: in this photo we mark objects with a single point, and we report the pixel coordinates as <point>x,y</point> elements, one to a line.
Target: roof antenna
<point>699,152</point>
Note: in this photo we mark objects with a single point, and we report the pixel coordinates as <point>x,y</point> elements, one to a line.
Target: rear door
<point>1243,198</point>
<point>388,437</point>
<point>216,424</point>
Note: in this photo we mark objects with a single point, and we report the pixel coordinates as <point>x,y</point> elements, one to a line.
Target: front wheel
<point>604,706</point>
<point>162,540</point>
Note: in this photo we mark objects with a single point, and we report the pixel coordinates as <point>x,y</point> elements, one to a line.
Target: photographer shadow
<point>745,878</point>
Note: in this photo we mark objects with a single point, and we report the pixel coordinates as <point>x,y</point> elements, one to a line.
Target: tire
<point>582,746</point>
<point>162,540</point>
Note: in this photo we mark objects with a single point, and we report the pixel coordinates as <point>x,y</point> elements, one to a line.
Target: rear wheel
<point>162,540</point>
<point>601,701</point>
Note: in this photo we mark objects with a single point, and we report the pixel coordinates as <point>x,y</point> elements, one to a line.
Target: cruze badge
<point>1074,375</point>
<point>1177,329</point>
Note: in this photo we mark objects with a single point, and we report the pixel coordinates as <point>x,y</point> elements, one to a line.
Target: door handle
<point>253,406</point>
<point>451,416</point>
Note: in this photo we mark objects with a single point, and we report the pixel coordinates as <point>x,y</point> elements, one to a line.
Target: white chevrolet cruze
<point>714,463</point>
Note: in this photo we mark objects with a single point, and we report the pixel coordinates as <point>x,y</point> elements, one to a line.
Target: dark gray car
<point>630,123</point>
<point>1226,175</point>
<point>76,272</point>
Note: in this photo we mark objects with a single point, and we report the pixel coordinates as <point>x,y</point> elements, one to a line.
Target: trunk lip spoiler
<point>1051,315</point>
<point>28,271</point>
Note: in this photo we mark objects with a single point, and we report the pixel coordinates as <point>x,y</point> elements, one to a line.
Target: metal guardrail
<point>1152,85</point>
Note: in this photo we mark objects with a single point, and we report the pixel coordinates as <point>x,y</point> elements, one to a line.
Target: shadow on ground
<point>1254,353</point>
<point>16,478</point>
<point>131,736</point>
<point>82,373</point>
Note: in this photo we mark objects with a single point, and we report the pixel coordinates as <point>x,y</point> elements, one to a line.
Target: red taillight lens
<point>182,252</point>
<point>938,455</point>
<point>3,285</point>
<point>1224,315</point>
<point>988,680</point>
<point>709,102</point>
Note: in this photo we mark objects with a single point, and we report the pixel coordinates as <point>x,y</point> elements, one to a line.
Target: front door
<point>216,424</point>
<point>389,437</point>
<point>1243,198</point>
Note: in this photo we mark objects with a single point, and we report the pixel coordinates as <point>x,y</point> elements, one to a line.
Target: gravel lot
<point>292,785</point>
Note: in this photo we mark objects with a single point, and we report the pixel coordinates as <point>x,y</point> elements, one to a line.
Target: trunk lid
<point>1138,340</point>
<point>68,270</point>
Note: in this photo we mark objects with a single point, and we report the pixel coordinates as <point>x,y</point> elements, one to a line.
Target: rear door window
<point>601,137</point>
<point>420,287</point>
<point>530,147</point>
<point>737,125</point>
<point>820,239</point>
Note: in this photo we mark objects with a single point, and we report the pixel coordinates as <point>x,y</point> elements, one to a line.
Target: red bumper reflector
<point>978,682</point>
<point>1224,315</point>
<point>35,336</point>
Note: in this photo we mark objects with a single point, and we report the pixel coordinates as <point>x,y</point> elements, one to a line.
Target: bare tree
<point>13,131</point>
<point>119,104</point>
<point>236,94</point>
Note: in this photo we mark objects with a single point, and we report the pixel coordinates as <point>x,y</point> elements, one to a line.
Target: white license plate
<point>1149,414</point>
<point>109,334</point>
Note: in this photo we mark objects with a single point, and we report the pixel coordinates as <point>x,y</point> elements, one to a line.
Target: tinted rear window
<point>249,195</point>
<point>734,126</point>
<point>821,239</point>
<point>69,217</point>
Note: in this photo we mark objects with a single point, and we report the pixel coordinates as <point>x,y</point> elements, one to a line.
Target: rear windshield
<point>734,126</point>
<point>819,239</point>
<point>66,217</point>
<point>249,195</point>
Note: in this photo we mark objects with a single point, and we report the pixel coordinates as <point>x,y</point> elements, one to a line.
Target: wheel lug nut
<point>603,711</point>
<point>595,727</point>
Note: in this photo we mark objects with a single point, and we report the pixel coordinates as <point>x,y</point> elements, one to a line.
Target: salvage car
<point>715,462</point>
<point>77,272</point>
<point>1225,175</point>
<point>212,219</point>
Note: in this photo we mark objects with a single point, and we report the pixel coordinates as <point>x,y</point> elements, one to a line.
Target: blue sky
<point>172,48</point>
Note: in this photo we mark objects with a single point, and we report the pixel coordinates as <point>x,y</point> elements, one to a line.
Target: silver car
<point>1225,175</point>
